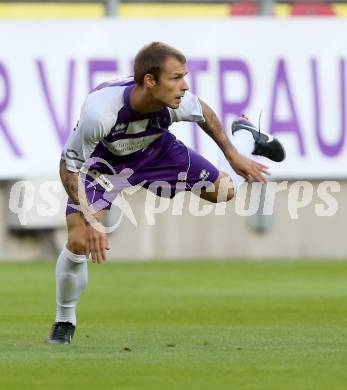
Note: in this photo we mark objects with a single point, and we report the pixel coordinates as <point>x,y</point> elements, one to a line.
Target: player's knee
<point>217,197</point>
<point>222,191</point>
<point>77,244</point>
<point>230,194</point>
<point>224,188</point>
<point>225,197</point>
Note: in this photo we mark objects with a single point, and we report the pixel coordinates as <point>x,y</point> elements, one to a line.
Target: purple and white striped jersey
<point>111,130</point>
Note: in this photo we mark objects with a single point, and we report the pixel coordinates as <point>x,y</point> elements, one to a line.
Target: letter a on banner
<point>288,126</point>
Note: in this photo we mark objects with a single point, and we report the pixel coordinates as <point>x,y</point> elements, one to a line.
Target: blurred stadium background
<point>285,58</point>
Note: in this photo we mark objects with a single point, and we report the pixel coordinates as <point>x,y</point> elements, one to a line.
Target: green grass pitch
<point>180,325</point>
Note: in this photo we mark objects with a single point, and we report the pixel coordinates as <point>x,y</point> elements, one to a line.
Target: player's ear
<point>149,81</point>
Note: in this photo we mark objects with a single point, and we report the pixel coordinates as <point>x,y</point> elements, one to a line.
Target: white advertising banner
<point>293,70</point>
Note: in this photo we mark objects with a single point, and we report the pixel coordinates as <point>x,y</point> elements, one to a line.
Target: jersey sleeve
<point>189,110</point>
<point>88,132</point>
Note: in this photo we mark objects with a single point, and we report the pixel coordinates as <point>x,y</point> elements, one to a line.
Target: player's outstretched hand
<point>97,242</point>
<point>249,169</point>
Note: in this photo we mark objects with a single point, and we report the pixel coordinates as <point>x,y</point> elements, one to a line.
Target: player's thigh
<point>77,231</point>
<point>222,190</point>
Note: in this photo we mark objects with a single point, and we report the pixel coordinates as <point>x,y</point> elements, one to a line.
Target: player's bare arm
<point>245,167</point>
<point>96,240</point>
<point>70,181</point>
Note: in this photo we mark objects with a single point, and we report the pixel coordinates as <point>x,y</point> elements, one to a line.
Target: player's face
<point>171,85</point>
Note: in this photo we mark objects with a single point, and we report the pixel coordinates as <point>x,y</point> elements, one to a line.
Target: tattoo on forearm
<point>70,182</point>
<point>213,127</point>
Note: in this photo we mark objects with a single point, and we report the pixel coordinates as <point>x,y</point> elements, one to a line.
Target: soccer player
<point>123,127</point>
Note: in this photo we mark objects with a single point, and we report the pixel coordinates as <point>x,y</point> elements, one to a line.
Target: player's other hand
<point>97,242</point>
<point>249,169</point>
